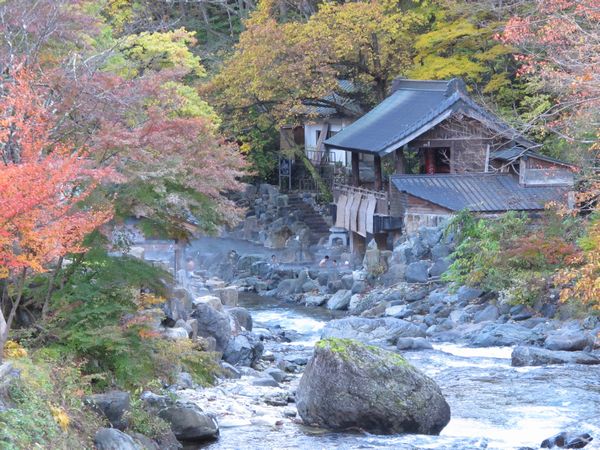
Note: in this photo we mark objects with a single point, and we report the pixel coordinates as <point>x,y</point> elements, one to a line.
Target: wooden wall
<point>467,139</point>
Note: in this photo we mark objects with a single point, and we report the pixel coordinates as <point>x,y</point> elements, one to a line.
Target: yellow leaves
<point>13,350</point>
<point>60,417</point>
<point>160,50</point>
<point>146,300</point>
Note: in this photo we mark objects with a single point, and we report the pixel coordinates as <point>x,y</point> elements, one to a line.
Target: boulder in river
<point>569,340</point>
<point>244,349</point>
<point>535,356</point>
<point>348,385</point>
<point>190,424</point>
<point>379,331</point>
<point>213,323</point>
<point>340,300</point>
<point>504,334</point>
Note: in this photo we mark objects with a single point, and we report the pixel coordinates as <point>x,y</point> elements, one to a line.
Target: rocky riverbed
<point>494,405</point>
<point>512,375</point>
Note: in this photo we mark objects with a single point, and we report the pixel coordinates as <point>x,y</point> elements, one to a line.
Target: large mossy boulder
<point>348,385</point>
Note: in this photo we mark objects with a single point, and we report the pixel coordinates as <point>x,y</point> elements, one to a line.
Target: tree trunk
<point>17,302</point>
<point>51,284</point>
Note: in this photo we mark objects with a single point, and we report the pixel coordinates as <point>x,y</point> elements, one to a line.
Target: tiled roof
<point>414,107</point>
<point>480,192</point>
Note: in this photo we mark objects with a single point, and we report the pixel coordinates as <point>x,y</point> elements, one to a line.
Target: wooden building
<point>435,151</point>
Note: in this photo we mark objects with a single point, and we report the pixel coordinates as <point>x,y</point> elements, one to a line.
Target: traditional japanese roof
<point>516,152</point>
<point>414,107</point>
<point>479,192</point>
<point>335,103</point>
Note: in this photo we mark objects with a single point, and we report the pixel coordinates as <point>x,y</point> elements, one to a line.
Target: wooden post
<point>400,161</point>
<point>355,170</point>
<point>378,176</point>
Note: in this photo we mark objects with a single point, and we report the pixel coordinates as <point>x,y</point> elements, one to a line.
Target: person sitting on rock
<point>324,261</point>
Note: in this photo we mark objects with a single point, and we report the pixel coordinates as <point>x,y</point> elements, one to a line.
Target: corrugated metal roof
<point>513,153</point>
<point>481,192</point>
<point>414,107</point>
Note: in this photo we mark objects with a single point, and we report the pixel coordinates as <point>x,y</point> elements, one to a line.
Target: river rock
<point>351,385</point>
<point>339,300</point>
<point>418,343</point>
<point>210,300</point>
<point>242,317</point>
<point>190,424</point>
<point>213,323</point>
<point>489,313</point>
<point>569,340</point>
<point>535,356</point>
<point>243,350</point>
<point>315,300</point>
<point>503,334</point>
<point>417,272</point>
<point>113,405</point>
<point>144,441</point>
<point>228,295</point>
<point>467,294</point>
<point>379,331</point>
<point>113,439</point>
<point>439,267</point>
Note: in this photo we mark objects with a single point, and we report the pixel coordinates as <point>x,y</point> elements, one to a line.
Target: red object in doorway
<point>430,161</point>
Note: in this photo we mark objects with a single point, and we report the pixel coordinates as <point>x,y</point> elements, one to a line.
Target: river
<point>494,405</point>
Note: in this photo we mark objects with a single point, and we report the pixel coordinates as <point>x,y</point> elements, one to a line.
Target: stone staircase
<point>313,220</point>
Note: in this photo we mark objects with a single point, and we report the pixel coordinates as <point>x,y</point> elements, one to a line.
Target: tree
<point>281,64</point>
<point>560,43</point>
<point>43,185</point>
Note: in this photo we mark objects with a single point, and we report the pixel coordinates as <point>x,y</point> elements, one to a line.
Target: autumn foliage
<point>42,183</point>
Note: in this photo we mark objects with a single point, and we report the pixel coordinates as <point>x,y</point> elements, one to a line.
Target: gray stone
<point>174,309</point>
<point>359,287</point>
<point>154,401</point>
<point>266,382</point>
<point>144,441</point>
<point>243,350</point>
<point>210,300</point>
<point>347,281</point>
<point>242,317</point>
<point>190,424</point>
<point>418,343</point>
<point>380,331</point>
<point>439,267</point>
<point>315,300</point>
<point>350,385</point>
<point>490,312</point>
<point>113,405</point>
<point>339,300</point>
<point>310,286</point>
<point>402,254</point>
<point>213,323</point>
<point>417,272</point>
<point>113,439</point>
<point>399,311</point>
<point>535,356</point>
<point>228,295</point>
<point>229,371</point>
<point>394,275</point>
<point>430,236</point>
<point>184,381</point>
<point>418,249</point>
<point>277,374</point>
<point>440,251</point>
<point>569,340</point>
<point>503,334</point>
<point>467,294</point>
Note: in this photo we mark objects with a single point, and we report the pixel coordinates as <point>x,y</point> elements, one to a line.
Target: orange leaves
<point>42,184</point>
